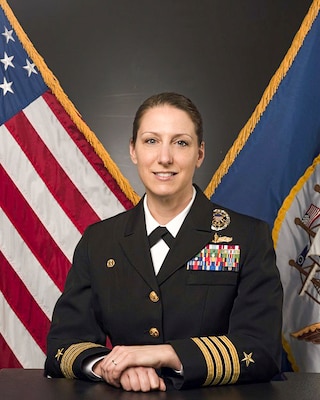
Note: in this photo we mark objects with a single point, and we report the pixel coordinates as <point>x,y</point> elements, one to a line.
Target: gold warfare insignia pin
<point>220,220</point>
<point>221,239</point>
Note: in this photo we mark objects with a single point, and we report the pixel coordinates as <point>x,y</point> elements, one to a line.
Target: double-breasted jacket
<point>224,321</point>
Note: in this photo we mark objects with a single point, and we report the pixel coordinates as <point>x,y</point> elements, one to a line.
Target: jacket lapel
<point>193,235</point>
<point>136,246</point>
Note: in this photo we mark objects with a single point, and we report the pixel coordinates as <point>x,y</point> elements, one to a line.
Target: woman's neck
<point>164,209</point>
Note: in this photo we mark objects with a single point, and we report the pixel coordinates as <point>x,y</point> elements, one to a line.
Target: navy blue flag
<point>281,138</point>
<point>272,172</point>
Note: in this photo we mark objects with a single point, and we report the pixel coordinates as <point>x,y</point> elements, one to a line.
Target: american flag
<point>55,180</point>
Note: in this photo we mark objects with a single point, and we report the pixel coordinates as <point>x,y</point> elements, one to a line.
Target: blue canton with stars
<point>20,81</point>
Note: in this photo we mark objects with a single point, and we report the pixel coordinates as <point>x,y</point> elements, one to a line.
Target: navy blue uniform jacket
<point>224,325</point>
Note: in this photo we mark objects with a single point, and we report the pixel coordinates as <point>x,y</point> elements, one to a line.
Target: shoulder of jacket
<point>112,222</point>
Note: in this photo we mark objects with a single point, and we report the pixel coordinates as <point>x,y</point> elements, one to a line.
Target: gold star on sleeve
<point>248,358</point>
<point>59,354</point>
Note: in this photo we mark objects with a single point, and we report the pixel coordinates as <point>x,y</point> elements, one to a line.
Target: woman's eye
<point>182,143</point>
<point>150,141</point>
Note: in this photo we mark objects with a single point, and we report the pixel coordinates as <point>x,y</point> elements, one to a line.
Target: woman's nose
<point>165,155</point>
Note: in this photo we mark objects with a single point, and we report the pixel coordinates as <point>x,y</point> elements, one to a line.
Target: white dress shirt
<point>159,250</point>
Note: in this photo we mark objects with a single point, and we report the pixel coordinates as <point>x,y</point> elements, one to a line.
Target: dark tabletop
<point>29,384</point>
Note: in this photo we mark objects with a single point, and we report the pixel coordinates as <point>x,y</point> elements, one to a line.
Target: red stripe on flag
<point>7,357</point>
<point>86,148</point>
<point>23,304</point>
<point>32,231</point>
<point>59,184</point>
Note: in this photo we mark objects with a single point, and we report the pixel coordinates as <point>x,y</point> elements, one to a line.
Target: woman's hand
<point>128,365</point>
<point>141,379</point>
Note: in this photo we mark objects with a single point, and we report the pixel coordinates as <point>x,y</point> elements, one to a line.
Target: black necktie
<point>160,233</point>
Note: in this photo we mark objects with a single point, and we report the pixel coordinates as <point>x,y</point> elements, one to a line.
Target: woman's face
<point>167,152</point>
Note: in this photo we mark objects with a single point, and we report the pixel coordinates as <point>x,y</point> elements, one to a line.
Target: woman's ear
<point>201,153</point>
<point>132,151</point>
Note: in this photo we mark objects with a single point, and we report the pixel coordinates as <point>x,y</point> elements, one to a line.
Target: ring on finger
<point>113,362</point>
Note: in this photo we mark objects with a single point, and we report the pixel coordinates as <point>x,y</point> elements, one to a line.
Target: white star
<point>7,61</point>
<point>6,86</point>
<point>30,67</point>
<point>8,34</point>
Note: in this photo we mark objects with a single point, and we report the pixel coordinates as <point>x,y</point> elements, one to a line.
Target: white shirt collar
<point>174,225</point>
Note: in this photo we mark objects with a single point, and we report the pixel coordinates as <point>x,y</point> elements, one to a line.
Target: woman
<point>199,305</point>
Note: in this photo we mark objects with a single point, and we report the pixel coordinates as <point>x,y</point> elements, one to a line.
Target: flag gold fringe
<point>291,359</point>
<point>265,100</point>
<point>52,82</point>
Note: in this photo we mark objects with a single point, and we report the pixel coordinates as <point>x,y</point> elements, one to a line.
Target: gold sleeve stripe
<point>234,357</point>
<point>70,356</point>
<point>208,358</point>
<point>226,359</point>
<point>218,362</point>
<point>223,365</point>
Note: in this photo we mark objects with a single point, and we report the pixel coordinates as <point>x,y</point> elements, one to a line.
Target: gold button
<point>110,263</point>
<point>153,296</point>
<point>154,332</point>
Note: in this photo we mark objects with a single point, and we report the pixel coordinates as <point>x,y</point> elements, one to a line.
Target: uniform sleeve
<point>251,349</point>
<point>75,332</point>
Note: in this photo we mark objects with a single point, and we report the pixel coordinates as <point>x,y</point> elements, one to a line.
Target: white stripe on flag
<point>76,166</point>
<point>14,161</point>
<point>37,281</point>
<point>26,350</point>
